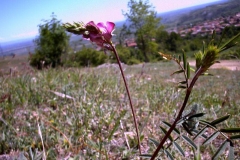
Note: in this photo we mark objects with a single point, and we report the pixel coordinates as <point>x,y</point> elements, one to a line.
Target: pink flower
<point>100,34</point>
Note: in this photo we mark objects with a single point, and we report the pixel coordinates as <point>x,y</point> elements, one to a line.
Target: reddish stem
<point>189,90</point>
<point>129,97</point>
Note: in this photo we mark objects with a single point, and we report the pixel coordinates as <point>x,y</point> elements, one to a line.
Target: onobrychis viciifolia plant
<point>187,126</point>
<point>101,34</point>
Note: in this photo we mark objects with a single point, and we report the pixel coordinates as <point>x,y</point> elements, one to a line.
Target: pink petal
<point>91,23</point>
<point>110,26</point>
<point>102,27</point>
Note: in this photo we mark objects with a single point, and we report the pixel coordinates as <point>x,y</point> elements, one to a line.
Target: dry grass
<point>97,122</point>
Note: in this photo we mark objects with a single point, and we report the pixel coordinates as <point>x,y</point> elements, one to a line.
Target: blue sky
<point>20,18</point>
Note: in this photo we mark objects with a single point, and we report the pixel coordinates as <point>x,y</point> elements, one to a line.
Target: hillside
<point>191,16</point>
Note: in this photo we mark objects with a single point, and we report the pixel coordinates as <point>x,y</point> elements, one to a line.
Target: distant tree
<point>143,24</point>
<point>51,44</point>
<point>171,42</point>
<point>122,33</point>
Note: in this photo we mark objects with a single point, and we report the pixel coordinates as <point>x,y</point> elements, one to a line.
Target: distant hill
<point>201,13</point>
<point>195,14</point>
<point>186,16</point>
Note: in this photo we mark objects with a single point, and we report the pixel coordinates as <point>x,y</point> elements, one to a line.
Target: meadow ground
<point>85,111</point>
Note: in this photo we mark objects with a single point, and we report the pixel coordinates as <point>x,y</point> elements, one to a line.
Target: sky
<point>19,19</point>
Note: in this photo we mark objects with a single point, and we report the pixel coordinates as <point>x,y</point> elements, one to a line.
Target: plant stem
<point>129,97</point>
<point>188,92</point>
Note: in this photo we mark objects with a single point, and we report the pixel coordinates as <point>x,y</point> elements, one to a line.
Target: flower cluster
<point>100,33</point>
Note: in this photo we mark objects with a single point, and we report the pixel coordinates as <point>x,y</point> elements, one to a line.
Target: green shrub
<point>51,44</point>
<point>86,57</point>
<point>127,55</point>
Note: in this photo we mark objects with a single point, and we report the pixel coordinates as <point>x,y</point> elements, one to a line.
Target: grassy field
<point>85,112</point>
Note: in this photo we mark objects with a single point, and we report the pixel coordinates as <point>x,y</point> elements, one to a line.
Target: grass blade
<point>117,124</point>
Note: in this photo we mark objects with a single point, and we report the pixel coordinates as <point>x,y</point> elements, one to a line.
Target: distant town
<point>208,26</point>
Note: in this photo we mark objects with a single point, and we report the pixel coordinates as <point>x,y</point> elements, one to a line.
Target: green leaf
<point>211,138</point>
<point>235,137</point>
<point>185,126</point>
<point>183,87</point>
<point>196,115</point>
<point>146,156</point>
<point>219,120</point>
<point>200,133</point>
<point>180,121</point>
<point>169,125</point>
<point>177,72</point>
<point>189,141</point>
<point>220,150</point>
<point>230,130</point>
<point>229,44</point>
<point>203,49</point>
<point>179,149</point>
<point>179,58</point>
<point>155,142</point>
<point>169,155</point>
<point>184,60</point>
<point>188,70</point>
<point>231,153</point>
<point>183,82</point>
<point>165,132</point>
